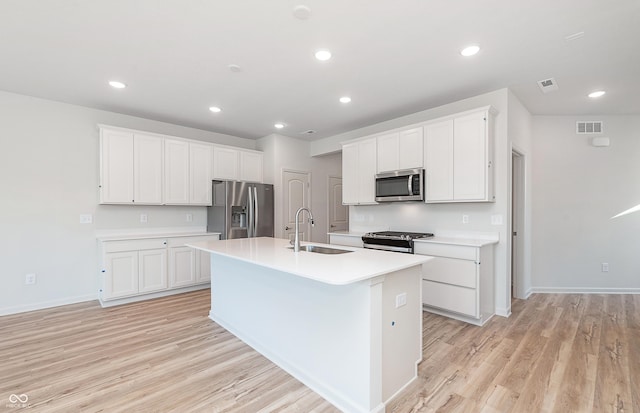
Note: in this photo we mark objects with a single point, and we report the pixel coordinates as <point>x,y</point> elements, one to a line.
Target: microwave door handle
<point>410,184</point>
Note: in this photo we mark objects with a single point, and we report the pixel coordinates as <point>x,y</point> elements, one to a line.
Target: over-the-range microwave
<point>404,185</point>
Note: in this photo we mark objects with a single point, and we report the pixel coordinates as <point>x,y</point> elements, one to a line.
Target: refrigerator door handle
<point>250,213</point>
<point>255,211</point>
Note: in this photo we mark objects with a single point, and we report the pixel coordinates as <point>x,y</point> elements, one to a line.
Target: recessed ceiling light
<point>345,99</point>
<point>597,94</point>
<point>301,12</point>
<point>117,85</point>
<point>323,55</point>
<point>470,50</point>
<point>215,109</point>
<point>279,125</point>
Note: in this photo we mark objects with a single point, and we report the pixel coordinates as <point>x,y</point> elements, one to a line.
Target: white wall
<point>577,188</point>
<point>48,177</point>
<point>519,130</point>
<point>439,218</point>
<point>283,152</point>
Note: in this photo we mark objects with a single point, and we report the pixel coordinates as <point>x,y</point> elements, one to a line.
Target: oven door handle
<point>388,248</point>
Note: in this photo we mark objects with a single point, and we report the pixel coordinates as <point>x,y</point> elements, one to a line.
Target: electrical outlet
<point>143,218</point>
<point>605,267</point>
<point>189,217</point>
<point>86,218</point>
<point>496,219</point>
<point>30,279</point>
<point>465,219</point>
<point>401,299</point>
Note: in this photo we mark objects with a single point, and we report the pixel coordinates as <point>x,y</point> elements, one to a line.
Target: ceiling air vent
<point>308,132</point>
<point>548,85</point>
<point>588,127</point>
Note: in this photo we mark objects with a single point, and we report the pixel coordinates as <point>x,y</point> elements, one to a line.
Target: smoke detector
<point>548,85</point>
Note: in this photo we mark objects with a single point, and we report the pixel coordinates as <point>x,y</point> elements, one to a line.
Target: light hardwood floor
<point>556,353</point>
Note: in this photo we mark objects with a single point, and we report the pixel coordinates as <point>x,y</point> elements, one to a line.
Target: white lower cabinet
<point>188,266</point>
<point>134,269</point>
<point>458,282</point>
<point>346,239</point>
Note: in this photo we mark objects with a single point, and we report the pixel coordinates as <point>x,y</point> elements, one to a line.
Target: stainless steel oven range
<point>392,240</point>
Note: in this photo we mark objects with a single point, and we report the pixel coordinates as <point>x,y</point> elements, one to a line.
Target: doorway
<point>338,214</point>
<point>296,194</point>
<point>517,224</point>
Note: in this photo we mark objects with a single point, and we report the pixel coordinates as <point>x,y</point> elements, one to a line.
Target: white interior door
<point>295,186</point>
<point>338,213</point>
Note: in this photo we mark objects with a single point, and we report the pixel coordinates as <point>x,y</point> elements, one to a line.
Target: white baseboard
<point>528,293</point>
<point>582,290</point>
<point>503,312</point>
<point>47,304</point>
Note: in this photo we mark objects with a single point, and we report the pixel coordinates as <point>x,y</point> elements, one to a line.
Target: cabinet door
<point>367,172</point>
<point>225,163</point>
<point>469,157</point>
<point>181,267</point>
<point>388,152</point>
<point>176,172</point>
<point>203,266</point>
<point>121,274</point>
<point>200,173</point>
<point>411,149</point>
<point>147,169</point>
<point>438,156</point>
<point>116,167</point>
<point>251,166</point>
<point>152,270</point>
<point>350,174</point>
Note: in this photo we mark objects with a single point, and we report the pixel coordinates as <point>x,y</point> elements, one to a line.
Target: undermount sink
<point>321,250</point>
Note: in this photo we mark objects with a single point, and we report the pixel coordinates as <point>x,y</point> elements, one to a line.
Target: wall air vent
<point>588,127</point>
<point>548,85</point>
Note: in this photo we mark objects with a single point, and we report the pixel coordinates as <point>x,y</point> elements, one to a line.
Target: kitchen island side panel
<point>327,336</point>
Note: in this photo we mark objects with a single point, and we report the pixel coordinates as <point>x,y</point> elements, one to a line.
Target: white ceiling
<point>393,57</point>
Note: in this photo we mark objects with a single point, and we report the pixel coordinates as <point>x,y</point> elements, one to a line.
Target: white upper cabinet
<point>251,166</point>
<point>200,173</point>
<point>359,172</point>
<point>237,164</point>
<point>150,169</point>
<point>116,167</point>
<point>147,169</point>
<point>130,168</point>
<point>458,154</point>
<point>176,172</point>
<point>225,163</point>
<point>400,150</point>
<point>438,156</point>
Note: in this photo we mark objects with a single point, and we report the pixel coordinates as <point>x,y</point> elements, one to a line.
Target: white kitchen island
<point>338,323</point>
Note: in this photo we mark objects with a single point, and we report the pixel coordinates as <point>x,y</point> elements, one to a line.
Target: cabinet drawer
<point>135,245</point>
<point>347,240</point>
<point>450,297</point>
<point>451,271</point>
<point>181,241</point>
<point>446,250</point>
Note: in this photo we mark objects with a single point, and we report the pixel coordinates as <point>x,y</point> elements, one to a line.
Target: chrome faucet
<point>296,240</point>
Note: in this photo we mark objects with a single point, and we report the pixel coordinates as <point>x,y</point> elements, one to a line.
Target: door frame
<point>283,202</point>
<point>329,204</point>
<point>517,212</point>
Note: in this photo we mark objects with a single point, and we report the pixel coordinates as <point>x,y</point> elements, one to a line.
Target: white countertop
<point>347,233</point>
<point>336,269</point>
<point>124,237</point>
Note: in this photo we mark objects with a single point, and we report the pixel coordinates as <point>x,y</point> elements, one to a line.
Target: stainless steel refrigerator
<point>241,210</point>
